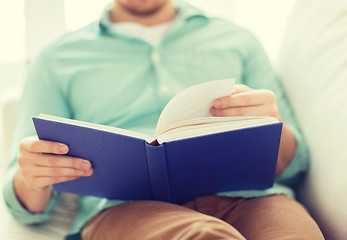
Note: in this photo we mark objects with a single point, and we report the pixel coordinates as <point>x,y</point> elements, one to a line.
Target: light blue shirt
<point>100,76</point>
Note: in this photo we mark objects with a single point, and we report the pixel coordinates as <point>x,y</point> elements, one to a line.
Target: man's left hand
<point>245,101</point>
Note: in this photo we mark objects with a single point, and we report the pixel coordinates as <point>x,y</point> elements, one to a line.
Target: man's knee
<point>276,217</point>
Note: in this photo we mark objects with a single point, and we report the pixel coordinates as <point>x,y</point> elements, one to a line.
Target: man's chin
<point>142,12</point>
<point>142,9</point>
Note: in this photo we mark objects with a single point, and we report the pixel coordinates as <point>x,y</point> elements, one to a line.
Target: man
<point>122,71</point>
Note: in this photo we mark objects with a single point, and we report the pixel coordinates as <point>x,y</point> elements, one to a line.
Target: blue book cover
<point>129,167</point>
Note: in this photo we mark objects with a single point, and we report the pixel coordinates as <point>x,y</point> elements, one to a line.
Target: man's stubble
<point>142,7</point>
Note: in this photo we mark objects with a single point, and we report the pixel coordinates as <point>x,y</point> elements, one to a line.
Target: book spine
<point>158,173</point>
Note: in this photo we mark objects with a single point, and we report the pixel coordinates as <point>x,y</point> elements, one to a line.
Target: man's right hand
<point>41,164</point>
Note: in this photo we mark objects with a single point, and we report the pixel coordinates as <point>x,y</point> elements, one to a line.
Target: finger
<point>50,160</point>
<point>39,171</point>
<point>40,182</point>
<point>35,145</point>
<point>243,99</point>
<point>239,100</point>
<point>237,88</point>
<point>259,110</point>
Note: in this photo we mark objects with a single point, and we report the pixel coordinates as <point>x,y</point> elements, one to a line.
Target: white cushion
<point>55,229</point>
<point>313,66</point>
<point>59,224</point>
<point>8,110</point>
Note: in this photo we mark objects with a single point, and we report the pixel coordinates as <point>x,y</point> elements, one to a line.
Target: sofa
<point>313,67</point>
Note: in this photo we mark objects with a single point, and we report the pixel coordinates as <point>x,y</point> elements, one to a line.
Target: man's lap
<point>208,217</point>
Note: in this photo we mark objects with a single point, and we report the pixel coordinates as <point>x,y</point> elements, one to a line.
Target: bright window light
<point>267,19</point>
<point>79,13</point>
<point>219,8</point>
<point>12,46</point>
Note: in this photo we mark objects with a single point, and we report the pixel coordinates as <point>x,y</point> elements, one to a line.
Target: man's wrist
<point>33,200</point>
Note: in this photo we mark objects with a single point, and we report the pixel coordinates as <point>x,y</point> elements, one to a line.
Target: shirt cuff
<point>22,215</point>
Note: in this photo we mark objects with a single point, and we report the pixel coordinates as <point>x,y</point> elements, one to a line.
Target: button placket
<point>164,89</point>
<point>156,57</point>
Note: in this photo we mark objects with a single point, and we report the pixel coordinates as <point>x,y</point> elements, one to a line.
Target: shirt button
<point>155,57</point>
<point>164,89</point>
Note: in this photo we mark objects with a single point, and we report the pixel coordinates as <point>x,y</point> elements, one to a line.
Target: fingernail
<point>85,165</point>
<point>217,103</point>
<point>63,148</point>
<point>88,172</point>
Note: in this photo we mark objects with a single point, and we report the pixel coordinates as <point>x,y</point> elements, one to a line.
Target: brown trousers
<point>211,217</point>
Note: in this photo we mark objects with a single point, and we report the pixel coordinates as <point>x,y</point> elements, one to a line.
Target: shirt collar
<point>186,12</point>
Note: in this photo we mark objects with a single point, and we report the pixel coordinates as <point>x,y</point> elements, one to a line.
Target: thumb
<point>238,88</point>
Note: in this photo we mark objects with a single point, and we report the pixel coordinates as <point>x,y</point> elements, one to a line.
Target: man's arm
<point>26,186</point>
<point>287,149</point>
<point>245,101</point>
<point>257,73</point>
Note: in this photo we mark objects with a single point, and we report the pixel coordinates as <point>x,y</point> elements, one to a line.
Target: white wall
<point>267,19</point>
<point>44,22</point>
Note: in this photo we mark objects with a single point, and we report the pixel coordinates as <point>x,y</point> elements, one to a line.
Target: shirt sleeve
<point>259,74</point>
<point>22,215</point>
<point>41,94</point>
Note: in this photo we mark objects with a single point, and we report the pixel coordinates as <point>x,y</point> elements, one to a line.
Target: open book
<point>192,154</point>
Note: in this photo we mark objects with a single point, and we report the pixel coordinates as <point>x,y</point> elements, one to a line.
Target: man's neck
<point>164,14</point>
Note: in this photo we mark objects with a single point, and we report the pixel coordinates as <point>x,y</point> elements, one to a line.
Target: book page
<point>206,126</point>
<point>193,102</point>
<point>96,126</point>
